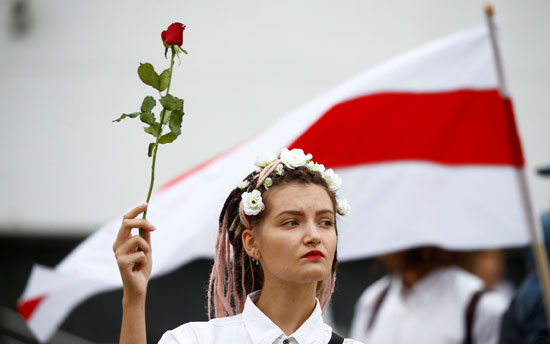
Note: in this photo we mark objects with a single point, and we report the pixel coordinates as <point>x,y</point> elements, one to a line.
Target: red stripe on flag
<point>27,307</point>
<point>515,144</point>
<point>453,128</point>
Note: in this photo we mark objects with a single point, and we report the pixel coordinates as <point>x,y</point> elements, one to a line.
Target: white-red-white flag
<point>426,146</point>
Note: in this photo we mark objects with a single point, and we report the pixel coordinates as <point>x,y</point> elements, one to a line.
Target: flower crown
<point>251,202</point>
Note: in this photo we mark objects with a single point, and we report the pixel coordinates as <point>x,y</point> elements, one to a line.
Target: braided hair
<point>233,278</point>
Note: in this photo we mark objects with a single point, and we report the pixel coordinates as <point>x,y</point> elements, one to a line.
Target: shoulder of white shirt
<point>461,282</point>
<point>373,291</point>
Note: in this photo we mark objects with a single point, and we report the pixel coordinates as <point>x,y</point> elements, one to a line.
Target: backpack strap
<point>469,316</point>
<point>377,304</point>
<point>336,339</point>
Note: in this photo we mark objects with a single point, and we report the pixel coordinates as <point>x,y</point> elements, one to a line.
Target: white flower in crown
<point>252,202</point>
<point>294,158</point>
<point>315,167</point>
<point>279,170</point>
<point>243,185</point>
<point>332,179</point>
<point>342,206</point>
<point>265,159</point>
<point>267,183</point>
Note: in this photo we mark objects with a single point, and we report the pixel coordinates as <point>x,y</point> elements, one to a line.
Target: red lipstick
<point>314,255</point>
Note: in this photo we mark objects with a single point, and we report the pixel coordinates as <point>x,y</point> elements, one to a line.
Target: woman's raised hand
<point>134,280</point>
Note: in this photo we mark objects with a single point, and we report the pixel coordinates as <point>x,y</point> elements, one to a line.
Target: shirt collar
<point>262,330</point>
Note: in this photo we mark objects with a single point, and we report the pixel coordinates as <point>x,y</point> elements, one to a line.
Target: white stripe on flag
<point>407,204</point>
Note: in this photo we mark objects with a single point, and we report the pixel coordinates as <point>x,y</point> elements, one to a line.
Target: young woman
<point>275,263</point>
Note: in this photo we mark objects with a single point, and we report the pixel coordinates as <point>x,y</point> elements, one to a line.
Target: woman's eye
<point>327,223</point>
<point>290,223</point>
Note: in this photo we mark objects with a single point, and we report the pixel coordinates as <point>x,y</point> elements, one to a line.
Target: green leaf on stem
<point>125,115</point>
<point>147,74</point>
<point>147,118</point>
<point>150,149</point>
<point>175,122</point>
<point>164,80</point>
<point>183,50</point>
<point>166,118</point>
<point>167,138</point>
<point>169,102</point>
<point>154,129</point>
<point>148,104</point>
<point>165,51</point>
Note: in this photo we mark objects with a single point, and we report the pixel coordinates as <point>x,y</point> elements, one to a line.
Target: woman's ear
<point>249,242</point>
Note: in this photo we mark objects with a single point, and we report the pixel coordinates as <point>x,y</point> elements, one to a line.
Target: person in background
<point>525,320</point>
<point>489,265</point>
<point>427,298</point>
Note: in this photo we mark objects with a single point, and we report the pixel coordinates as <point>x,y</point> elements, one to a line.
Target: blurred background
<point>68,68</point>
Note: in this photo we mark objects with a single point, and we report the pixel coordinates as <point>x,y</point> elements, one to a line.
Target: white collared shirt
<point>432,311</point>
<point>251,326</point>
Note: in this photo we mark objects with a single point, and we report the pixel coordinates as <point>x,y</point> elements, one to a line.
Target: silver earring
<point>257,262</point>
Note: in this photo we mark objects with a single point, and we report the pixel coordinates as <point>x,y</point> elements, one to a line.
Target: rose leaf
<point>125,115</point>
<point>164,80</point>
<point>147,74</point>
<point>169,102</point>
<point>147,118</point>
<point>154,129</point>
<point>167,138</point>
<point>166,118</point>
<point>175,122</point>
<point>148,104</point>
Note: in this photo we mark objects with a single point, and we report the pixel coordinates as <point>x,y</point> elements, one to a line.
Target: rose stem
<point>155,149</point>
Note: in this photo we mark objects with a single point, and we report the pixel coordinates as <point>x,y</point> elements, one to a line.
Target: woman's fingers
<point>129,221</point>
<point>136,211</point>
<point>133,253</point>
<point>141,224</point>
<point>128,261</point>
<point>131,245</point>
<point>146,235</point>
<point>124,230</point>
<point>137,223</point>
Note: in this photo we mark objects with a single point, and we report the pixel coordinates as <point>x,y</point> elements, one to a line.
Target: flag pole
<point>535,229</point>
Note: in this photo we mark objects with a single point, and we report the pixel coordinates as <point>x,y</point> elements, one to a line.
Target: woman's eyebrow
<point>291,212</point>
<point>301,213</point>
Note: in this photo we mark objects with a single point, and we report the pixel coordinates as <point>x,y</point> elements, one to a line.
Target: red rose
<point>173,35</point>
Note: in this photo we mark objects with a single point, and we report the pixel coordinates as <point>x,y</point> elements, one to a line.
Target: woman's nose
<point>312,236</point>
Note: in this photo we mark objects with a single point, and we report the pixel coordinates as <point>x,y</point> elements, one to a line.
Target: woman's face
<point>296,240</point>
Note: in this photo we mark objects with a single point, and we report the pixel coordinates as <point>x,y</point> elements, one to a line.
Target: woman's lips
<point>314,255</point>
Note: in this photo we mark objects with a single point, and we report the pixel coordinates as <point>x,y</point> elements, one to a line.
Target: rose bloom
<point>252,202</point>
<point>173,35</point>
<point>265,159</point>
<point>342,206</point>
<point>294,158</point>
<point>333,180</point>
